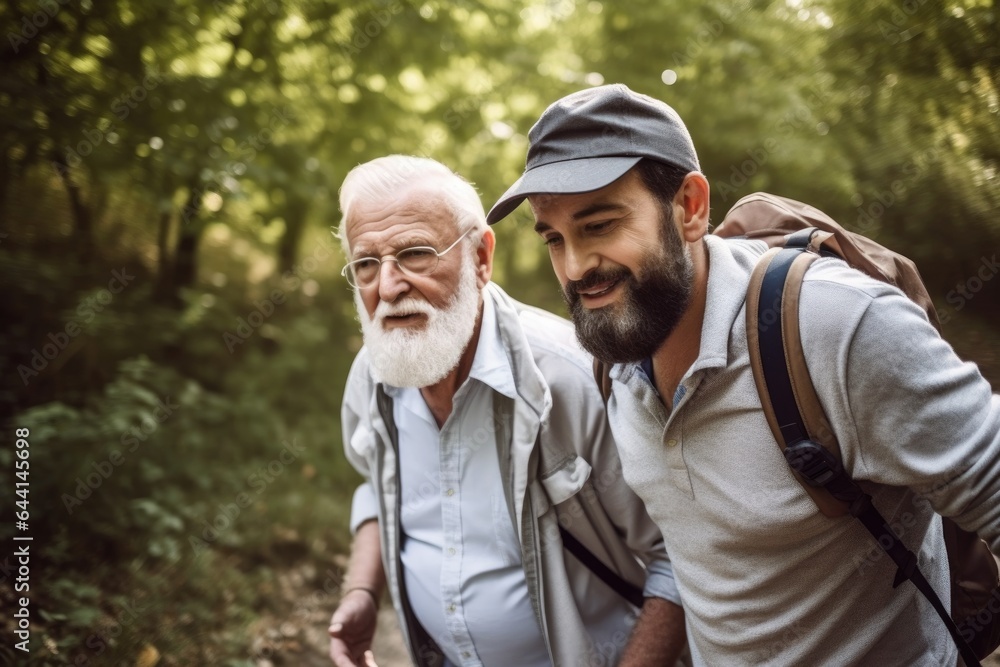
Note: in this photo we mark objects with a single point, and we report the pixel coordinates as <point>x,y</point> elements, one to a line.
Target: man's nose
<point>392,282</point>
<point>580,260</point>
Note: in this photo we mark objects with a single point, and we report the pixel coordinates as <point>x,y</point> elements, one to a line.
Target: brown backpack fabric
<point>975,589</point>
<point>770,218</point>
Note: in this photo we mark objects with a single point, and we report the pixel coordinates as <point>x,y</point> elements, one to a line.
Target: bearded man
<point>616,189</point>
<point>493,507</point>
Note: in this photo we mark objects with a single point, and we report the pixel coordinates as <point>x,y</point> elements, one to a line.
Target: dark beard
<point>650,307</point>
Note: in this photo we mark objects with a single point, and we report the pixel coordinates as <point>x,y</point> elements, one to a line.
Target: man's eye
<point>365,268</point>
<point>599,227</point>
<point>418,260</point>
<point>551,241</point>
<point>417,253</point>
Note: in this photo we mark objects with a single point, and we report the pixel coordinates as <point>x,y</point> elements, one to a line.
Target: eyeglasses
<point>415,261</point>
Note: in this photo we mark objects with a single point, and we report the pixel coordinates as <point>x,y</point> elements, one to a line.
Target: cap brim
<point>562,178</point>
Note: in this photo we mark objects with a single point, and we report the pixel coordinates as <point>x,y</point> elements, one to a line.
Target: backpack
<point>798,234</point>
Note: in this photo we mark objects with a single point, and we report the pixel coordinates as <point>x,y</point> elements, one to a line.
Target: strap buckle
<point>817,465</point>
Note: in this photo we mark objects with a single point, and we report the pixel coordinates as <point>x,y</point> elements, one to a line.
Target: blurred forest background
<point>175,332</point>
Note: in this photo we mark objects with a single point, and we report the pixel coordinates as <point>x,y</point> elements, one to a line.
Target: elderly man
<point>616,190</point>
<point>494,507</point>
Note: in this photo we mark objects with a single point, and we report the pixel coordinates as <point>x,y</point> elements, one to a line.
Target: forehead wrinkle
<point>416,216</point>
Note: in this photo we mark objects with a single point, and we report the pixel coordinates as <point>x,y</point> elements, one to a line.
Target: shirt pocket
<point>566,480</point>
<point>505,538</point>
<point>363,441</point>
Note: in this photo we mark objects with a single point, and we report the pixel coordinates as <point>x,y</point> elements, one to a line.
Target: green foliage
<point>190,473</point>
<point>918,124</point>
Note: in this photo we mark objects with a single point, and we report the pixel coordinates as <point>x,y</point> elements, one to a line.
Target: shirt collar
<point>730,264</point>
<point>491,365</point>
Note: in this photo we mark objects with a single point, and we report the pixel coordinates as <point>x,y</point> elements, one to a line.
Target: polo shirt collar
<point>729,268</point>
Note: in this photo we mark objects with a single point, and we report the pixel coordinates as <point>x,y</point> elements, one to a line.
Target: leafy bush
<point>162,501</point>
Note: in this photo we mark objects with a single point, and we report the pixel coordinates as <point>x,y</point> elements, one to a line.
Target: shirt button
<point>450,492</point>
<point>451,609</point>
<point>466,655</point>
<point>451,551</point>
<point>671,443</point>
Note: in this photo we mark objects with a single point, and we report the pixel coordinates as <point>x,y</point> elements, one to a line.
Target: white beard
<point>405,357</point>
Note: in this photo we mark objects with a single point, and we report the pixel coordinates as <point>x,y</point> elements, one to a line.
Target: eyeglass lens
<point>412,260</point>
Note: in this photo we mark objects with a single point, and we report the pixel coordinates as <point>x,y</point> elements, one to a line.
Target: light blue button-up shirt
<point>461,558</point>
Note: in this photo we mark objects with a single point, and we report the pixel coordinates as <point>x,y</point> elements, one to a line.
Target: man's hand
<point>351,630</point>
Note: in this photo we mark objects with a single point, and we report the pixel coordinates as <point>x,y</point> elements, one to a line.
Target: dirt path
<point>293,630</point>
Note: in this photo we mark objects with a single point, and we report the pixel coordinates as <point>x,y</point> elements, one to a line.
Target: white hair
<point>384,178</point>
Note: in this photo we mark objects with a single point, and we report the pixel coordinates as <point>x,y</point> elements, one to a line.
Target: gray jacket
<point>559,466</point>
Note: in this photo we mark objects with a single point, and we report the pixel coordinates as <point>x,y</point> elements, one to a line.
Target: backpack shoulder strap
<point>786,391</point>
<point>796,418</point>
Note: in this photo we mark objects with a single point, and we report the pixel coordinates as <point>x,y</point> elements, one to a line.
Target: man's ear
<point>484,258</point>
<point>693,203</point>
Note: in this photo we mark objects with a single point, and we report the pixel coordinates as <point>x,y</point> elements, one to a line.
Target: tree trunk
<point>186,253</point>
<point>82,218</point>
<point>186,259</point>
<point>295,223</point>
<point>5,179</point>
<point>185,264</point>
<point>184,267</point>
<point>164,267</point>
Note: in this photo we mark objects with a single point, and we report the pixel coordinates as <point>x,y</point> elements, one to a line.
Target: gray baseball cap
<point>589,139</point>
